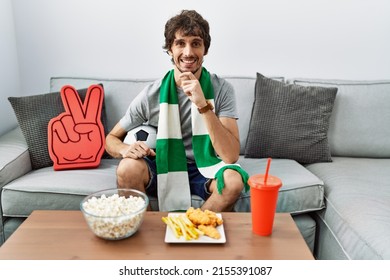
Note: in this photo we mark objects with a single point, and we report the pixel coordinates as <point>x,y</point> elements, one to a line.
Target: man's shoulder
<point>155,83</point>
<point>220,82</point>
<point>217,78</point>
<point>153,87</point>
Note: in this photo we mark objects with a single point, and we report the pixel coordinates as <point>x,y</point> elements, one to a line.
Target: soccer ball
<point>145,133</point>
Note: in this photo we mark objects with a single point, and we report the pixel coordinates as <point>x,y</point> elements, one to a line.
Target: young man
<point>197,138</point>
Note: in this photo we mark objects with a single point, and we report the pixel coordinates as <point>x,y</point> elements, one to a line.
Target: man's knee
<point>132,171</point>
<point>233,181</point>
<point>233,184</point>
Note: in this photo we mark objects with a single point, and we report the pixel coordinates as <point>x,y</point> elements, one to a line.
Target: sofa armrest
<point>15,158</point>
<point>14,163</point>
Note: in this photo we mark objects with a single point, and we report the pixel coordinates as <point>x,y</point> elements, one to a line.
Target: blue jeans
<point>198,183</point>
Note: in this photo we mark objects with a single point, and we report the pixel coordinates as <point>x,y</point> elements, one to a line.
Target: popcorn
<point>113,217</point>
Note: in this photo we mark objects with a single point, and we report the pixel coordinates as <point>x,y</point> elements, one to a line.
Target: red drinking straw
<point>266,171</point>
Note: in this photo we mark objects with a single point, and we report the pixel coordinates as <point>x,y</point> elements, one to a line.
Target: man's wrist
<point>205,108</point>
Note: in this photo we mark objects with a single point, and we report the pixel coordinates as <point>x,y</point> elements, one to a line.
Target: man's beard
<point>181,71</point>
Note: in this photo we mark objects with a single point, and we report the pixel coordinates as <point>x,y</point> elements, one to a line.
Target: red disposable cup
<point>264,198</point>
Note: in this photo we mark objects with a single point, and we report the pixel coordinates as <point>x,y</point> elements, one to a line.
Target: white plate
<point>171,238</point>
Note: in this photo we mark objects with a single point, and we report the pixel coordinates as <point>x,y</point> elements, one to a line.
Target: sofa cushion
<point>44,189</point>
<point>301,191</point>
<point>245,94</point>
<point>357,214</point>
<point>359,125</point>
<point>290,121</point>
<point>33,114</point>
<point>307,226</point>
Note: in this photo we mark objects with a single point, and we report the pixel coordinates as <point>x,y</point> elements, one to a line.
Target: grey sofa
<point>342,208</point>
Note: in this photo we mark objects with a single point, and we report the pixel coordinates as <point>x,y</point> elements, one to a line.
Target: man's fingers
<point>189,86</point>
<point>187,76</point>
<point>152,153</point>
<point>147,149</point>
<point>139,150</point>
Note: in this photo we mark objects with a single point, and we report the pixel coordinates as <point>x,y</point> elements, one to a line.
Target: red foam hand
<point>76,137</point>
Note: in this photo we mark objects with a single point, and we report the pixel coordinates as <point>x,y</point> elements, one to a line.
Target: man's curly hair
<point>190,23</point>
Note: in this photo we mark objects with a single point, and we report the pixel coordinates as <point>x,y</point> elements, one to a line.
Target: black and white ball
<point>145,133</point>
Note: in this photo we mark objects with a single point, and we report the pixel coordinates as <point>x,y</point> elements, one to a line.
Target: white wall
<point>9,76</point>
<point>343,39</point>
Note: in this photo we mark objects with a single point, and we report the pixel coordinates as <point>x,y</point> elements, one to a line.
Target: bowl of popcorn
<point>114,214</point>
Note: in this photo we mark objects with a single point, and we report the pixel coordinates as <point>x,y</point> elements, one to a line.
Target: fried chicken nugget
<point>198,217</point>
<point>214,219</point>
<point>207,217</point>
<point>210,231</point>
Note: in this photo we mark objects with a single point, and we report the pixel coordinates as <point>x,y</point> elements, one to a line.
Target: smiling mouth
<point>188,61</point>
<point>186,64</point>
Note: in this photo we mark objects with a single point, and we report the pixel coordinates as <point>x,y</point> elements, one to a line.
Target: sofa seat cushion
<point>301,191</point>
<point>307,226</point>
<point>357,195</point>
<point>46,189</point>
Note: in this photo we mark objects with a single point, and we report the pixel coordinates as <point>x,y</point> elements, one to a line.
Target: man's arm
<point>224,133</point>
<point>114,141</point>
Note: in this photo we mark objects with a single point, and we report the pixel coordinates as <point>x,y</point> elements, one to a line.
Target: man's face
<point>187,52</point>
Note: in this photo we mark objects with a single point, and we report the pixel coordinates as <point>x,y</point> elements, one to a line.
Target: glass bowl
<point>114,214</point>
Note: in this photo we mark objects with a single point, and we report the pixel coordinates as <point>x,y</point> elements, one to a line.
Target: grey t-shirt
<point>144,109</point>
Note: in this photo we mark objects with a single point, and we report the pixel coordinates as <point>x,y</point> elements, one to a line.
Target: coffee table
<point>62,235</point>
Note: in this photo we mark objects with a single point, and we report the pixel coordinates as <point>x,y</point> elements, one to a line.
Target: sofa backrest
<point>359,125</point>
<point>244,88</point>
<point>119,94</point>
<point>360,121</point>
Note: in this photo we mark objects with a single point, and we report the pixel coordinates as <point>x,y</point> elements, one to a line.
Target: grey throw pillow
<point>33,114</point>
<point>290,121</point>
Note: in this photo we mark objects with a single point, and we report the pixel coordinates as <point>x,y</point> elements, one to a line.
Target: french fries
<point>182,226</point>
<point>194,223</point>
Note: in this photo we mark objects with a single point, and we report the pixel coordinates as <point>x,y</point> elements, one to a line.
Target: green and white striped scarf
<point>173,183</point>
